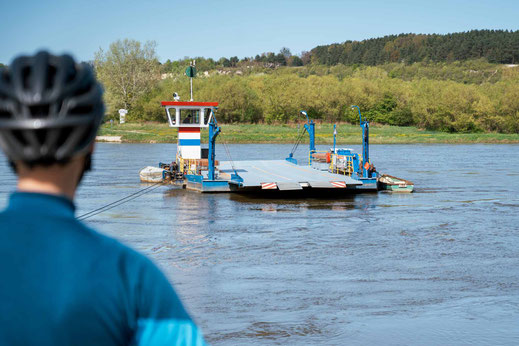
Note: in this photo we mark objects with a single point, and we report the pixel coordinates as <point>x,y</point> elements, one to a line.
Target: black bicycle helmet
<point>50,108</point>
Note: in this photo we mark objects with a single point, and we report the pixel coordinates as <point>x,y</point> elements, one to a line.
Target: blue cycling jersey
<point>64,284</point>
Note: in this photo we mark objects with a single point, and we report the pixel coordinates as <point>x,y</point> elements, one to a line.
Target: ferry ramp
<point>283,175</point>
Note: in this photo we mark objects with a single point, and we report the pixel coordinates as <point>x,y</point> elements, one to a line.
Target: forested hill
<point>497,46</point>
<point>459,96</point>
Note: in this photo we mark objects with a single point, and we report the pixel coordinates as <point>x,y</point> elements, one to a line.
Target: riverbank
<point>288,133</point>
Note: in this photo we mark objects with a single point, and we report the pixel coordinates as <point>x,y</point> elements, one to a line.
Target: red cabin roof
<point>194,104</point>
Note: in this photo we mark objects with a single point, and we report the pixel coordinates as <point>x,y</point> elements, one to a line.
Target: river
<point>438,266</point>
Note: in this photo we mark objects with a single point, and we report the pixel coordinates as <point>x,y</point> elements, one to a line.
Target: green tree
<point>306,57</point>
<point>285,52</point>
<point>295,61</point>
<point>127,70</point>
<point>224,62</point>
<point>234,61</point>
<point>280,59</point>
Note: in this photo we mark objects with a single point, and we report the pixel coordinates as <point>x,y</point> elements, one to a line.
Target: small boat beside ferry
<point>390,183</point>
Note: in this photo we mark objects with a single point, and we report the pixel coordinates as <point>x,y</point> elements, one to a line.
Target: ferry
<point>336,171</point>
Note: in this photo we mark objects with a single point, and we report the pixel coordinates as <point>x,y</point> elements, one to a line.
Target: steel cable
<point>296,145</point>
<point>227,151</point>
<point>119,202</point>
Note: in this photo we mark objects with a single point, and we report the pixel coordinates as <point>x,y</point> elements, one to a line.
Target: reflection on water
<point>438,266</point>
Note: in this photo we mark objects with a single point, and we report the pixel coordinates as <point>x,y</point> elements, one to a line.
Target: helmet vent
<point>40,111</point>
<point>26,77</point>
<point>41,135</point>
<point>51,74</point>
<point>17,134</point>
<point>64,135</point>
<point>4,114</point>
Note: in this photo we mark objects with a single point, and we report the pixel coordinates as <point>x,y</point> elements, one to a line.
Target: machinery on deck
<point>342,160</point>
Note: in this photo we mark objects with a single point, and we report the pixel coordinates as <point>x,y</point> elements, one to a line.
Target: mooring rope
<point>301,133</point>
<point>227,151</point>
<point>119,202</point>
<point>229,156</point>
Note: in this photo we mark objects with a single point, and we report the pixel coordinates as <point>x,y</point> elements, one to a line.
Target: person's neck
<point>55,180</point>
<point>47,187</point>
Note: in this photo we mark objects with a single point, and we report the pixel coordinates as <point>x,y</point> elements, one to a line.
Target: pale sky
<point>233,28</point>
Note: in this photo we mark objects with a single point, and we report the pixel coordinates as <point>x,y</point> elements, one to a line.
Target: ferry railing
<point>341,164</point>
<point>188,166</point>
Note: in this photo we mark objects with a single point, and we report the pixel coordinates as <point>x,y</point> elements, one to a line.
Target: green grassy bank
<point>263,133</point>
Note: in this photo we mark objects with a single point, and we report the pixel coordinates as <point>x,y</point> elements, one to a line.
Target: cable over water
<point>227,152</point>
<point>296,144</point>
<point>119,201</point>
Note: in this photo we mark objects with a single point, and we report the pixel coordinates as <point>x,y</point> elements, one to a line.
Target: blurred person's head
<point>50,111</point>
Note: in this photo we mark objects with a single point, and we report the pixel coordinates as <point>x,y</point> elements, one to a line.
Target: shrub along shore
<point>469,97</point>
<point>151,132</point>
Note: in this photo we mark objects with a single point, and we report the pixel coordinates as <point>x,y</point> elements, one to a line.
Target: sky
<point>232,28</point>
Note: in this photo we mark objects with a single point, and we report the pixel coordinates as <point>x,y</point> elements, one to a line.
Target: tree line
<point>496,46</point>
<point>263,60</point>
<point>459,96</point>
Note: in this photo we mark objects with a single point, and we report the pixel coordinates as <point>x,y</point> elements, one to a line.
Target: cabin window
<point>171,113</point>
<point>190,116</point>
<point>207,115</point>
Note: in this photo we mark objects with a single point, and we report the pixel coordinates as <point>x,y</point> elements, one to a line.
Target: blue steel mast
<point>310,128</point>
<point>334,136</point>
<point>365,142</point>
<point>214,130</point>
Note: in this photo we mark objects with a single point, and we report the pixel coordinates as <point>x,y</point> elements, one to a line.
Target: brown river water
<point>438,266</point>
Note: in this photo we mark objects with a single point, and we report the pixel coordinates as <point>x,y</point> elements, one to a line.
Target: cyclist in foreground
<point>63,283</point>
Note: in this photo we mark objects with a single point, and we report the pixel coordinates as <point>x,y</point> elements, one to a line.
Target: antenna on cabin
<point>191,73</point>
